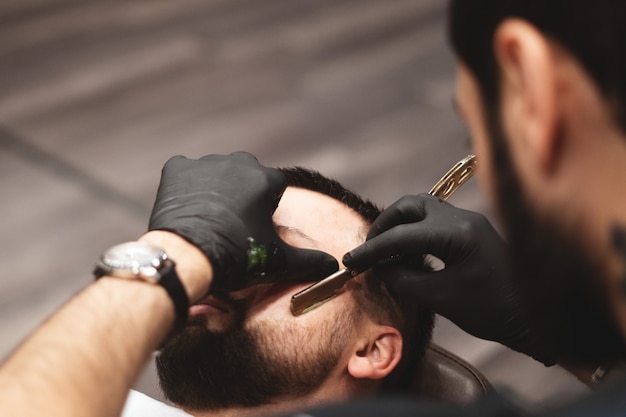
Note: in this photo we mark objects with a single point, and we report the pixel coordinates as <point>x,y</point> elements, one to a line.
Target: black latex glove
<point>224,206</point>
<point>475,290</point>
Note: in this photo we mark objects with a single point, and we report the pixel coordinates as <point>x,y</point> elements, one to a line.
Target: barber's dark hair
<point>594,32</point>
<point>414,322</point>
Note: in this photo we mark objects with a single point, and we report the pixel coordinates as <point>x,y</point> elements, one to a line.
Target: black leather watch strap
<point>170,281</point>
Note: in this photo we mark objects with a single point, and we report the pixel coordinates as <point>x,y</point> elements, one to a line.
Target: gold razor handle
<point>322,291</point>
<point>457,176</point>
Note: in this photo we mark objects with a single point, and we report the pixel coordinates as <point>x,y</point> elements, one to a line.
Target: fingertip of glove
<point>349,261</point>
<point>326,266</point>
<point>330,265</point>
<point>323,262</point>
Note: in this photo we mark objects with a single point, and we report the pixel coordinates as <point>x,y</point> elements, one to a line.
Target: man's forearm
<point>83,360</point>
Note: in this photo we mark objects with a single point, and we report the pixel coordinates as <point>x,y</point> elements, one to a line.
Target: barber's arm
<point>83,360</point>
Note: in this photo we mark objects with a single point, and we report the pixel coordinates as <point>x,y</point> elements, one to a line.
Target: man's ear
<point>528,89</point>
<point>374,357</point>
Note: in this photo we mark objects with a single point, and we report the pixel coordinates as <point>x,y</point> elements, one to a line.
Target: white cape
<point>140,405</point>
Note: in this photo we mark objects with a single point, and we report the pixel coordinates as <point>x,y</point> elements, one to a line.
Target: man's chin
<point>197,365</point>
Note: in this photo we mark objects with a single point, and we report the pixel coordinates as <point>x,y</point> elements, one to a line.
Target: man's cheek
<point>272,307</point>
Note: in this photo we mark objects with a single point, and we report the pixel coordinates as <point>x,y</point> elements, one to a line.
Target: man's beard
<point>201,370</point>
<point>560,281</point>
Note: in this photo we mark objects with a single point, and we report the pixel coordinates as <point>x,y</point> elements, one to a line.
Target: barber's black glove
<point>224,206</point>
<point>476,289</point>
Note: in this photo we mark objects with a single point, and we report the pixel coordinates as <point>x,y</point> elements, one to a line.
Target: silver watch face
<point>133,259</point>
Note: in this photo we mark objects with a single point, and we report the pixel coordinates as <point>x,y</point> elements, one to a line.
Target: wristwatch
<point>146,262</point>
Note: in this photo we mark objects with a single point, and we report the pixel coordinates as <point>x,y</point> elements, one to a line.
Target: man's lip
<point>216,303</point>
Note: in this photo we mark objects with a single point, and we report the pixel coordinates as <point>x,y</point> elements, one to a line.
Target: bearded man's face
<point>246,349</point>
<point>248,363</point>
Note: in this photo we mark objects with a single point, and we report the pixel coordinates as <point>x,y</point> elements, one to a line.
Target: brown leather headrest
<point>442,376</point>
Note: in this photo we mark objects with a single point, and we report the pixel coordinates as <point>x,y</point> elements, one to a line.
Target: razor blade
<point>326,289</point>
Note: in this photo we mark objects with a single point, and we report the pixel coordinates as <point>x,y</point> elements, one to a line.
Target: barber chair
<point>444,377</point>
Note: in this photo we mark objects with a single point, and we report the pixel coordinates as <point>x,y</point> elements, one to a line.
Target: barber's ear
<point>376,356</point>
<point>528,89</point>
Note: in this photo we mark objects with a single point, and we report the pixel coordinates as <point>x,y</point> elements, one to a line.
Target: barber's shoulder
<point>141,405</point>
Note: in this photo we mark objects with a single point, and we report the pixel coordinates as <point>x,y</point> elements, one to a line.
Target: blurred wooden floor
<point>96,95</point>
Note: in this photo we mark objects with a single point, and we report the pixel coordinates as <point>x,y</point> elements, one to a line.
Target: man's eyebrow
<point>294,231</point>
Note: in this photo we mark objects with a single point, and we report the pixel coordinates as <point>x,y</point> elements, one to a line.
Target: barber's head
<point>541,87</point>
<point>246,349</point>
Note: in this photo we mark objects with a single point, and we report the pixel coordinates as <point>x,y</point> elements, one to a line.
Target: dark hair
<point>593,32</point>
<point>414,322</point>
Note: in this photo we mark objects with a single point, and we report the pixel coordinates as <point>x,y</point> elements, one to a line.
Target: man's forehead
<point>313,220</point>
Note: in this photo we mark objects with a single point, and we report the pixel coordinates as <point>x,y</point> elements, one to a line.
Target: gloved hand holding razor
<point>475,289</point>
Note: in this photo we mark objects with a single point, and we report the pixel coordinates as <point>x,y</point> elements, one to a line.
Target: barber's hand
<point>475,290</point>
<point>224,206</point>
